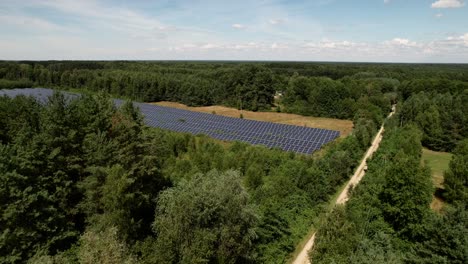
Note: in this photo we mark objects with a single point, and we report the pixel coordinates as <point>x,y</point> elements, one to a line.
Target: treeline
<point>9,84</point>
<point>84,182</point>
<point>434,96</point>
<point>323,89</point>
<point>355,95</point>
<point>336,90</point>
<point>249,86</point>
<point>398,71</point>
<point>388,218</point>
<point>442,117</point>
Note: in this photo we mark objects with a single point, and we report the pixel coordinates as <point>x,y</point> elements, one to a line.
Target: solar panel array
<point>286,137</point>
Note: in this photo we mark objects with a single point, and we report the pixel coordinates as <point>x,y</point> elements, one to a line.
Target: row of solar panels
<point>287,137</point>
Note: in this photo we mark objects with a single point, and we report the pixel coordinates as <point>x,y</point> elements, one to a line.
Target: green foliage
<point>343,239</point>
<point>41,257</point>
<point>364,130</point>
<point>432,84</point>
<point>103,247</point>
<point>442,118</point>
<point>288,189</point>
<point>346,98</point>
<point>456,177</point>
<point>59,168</point>
<point>446,240</point>
<point>10,84</point>
<point>387,210</point>
<point>205,219</point>
<point>247,86</point>
<point>406,194</point>
<point>37,192</point>
<point>80,179</point>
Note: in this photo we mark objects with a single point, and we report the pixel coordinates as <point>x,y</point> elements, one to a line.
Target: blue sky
<point>314,30</point>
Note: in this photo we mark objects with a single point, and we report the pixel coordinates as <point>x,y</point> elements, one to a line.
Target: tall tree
<point>456,177</point>
<point>207,219</point>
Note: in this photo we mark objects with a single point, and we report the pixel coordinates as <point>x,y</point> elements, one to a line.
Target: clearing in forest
<point>438,162</point>
<point>344,126</point>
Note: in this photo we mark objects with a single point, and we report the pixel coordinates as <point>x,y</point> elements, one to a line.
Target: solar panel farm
<point>298,139</point>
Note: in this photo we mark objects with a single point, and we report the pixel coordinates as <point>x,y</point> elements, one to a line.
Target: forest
<point>389,220</point>
<point>85,182</point>
<point>434,95</point>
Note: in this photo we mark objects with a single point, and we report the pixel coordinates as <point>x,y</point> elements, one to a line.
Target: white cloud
<point>402,42</point>
<point>96,30</point>
<point>86,16</point>
<point>238,26</point>
<point>245,46</point>
<point>209,46</point>
<point>454,49</point>
<point>276,21</point>
<point>386,1</point>
<point>448,4</point>
<point>458,40</point>
<point>32,23</point>
<point>439,15</point>
<point>278,46</point>
<point>465,39</point>
<point>428,51</point>
<point>333,45</point>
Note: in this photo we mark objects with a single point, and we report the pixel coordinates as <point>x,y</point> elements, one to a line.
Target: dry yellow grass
<point>344,126</point>
<point>437,204</point>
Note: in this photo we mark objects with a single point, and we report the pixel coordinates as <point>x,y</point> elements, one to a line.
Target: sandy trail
<point>303,256</point>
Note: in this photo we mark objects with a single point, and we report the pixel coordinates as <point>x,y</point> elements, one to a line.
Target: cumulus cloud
<point>448,4</point>
<point>278,46</point>
<point>402,42</point>
<point>458,40</point>
<point>238,26</point>
<point>209,46</point>
<point>95,30</point>
<point>327,44</point>
<point>465,39</point>
<point>276,21</point>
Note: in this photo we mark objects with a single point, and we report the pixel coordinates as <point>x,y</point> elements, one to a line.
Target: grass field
<point>344,126</point>
<point>438,162</point>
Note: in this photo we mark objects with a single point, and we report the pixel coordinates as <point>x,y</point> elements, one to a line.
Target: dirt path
<point>303,256</point>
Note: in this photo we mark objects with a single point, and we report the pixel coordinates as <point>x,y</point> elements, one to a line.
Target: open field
<point>438,162</point>
<point>344,126</point>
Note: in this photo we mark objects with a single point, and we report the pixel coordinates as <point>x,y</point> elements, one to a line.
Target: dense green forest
<point>388,219</point>
<point>85,182</point>
<point>435,94</point>
<point>74,173</point>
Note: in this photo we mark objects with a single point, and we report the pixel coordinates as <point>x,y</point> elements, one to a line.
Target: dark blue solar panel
<point>287,137</point>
